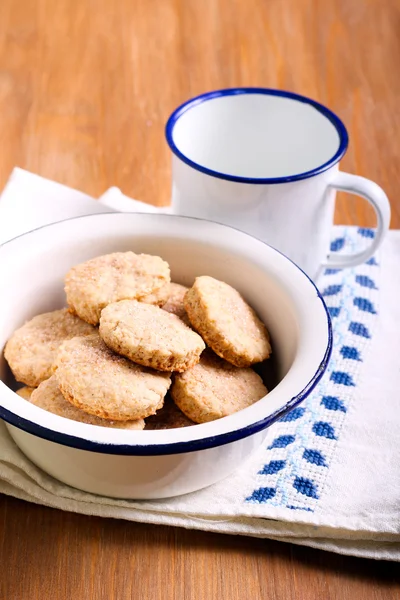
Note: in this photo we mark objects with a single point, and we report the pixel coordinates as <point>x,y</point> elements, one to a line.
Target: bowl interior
<point>33,266</point>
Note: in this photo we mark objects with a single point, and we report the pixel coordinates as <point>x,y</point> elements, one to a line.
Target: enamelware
<point>162,463</point>
<point>267,162</point>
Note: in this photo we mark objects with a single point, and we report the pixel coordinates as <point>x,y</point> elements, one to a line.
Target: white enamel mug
<point>267,162</point>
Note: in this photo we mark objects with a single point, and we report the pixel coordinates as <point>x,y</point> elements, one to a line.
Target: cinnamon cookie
<point>25,392</point>
<point>158,297</point>
<point>226,322</point>
<point>49,397</point>
<point>175,303</point>
<point>214,388</point>
<point>31,350</point>
<point>150,336</point>
<point>104,384</point>
<point>96,283</point>
<point>169,417</point>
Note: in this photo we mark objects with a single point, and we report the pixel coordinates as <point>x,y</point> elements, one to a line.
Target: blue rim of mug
<point>193,102</point>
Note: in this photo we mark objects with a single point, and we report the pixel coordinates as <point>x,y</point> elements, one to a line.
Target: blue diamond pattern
<point>272,467</point>
<point>331,271</point>
<point>337,244</point>
<point>332,290</point>
<point>350,352</point>
<point>314,457</point>
<point>294,414</point>
<point>366,232</point>
<point>334,311</point>
<point>342,378</point>
<point>282,441</point>
<point>365,281</point>
<point>359,329</point>
<point>262,495</point>
<point>333,403</point>
<point>306,487</point>
<point>364,305</point>
<point>323,429</point>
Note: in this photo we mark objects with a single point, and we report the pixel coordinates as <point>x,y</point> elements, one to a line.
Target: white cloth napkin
<point>329,473</point>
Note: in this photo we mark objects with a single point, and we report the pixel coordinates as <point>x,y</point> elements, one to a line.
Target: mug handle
<point>370,191</point>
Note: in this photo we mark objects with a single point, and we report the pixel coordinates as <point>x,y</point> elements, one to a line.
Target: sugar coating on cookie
<point>49,397</point>
<point>32,348</point>
<point>226,322</point>
<point>150,336</point>
<point>25,392</point>
<point>175,303</point>
<point>158,297</point>
<point>169,417</point>
<point>214,388</point>
<point>96,283</point>
<point>98,381</point>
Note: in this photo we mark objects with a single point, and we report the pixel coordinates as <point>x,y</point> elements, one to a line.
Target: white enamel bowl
<point>158,464</point>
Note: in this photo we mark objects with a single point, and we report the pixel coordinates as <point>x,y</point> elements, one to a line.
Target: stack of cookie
<point>133,346</point>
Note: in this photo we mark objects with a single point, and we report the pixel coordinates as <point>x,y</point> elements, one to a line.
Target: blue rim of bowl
<point>331,116</point>
<point>178,447</point>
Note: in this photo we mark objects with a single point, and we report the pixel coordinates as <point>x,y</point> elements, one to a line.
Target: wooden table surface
<point>85,89</point>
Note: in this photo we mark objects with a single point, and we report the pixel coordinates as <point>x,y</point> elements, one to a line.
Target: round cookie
<point>169,417</point>
<point>49,397</point>
<point>150,336</point>
<point>96,283</point>
<point>226,322</point>
<point>32,348</point>
<point>214,388</point>
<point>104,384</point>
<point>25,392</point>
<point>175,304</point>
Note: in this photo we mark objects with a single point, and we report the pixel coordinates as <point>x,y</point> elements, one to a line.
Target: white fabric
<point>358,512</point>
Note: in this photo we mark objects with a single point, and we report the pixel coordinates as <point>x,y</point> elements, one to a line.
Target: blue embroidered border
<point>300,447</point>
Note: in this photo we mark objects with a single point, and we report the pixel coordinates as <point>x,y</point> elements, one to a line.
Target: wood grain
<point>86,86</point>
<point>85,89</point>
<point>48,554</point>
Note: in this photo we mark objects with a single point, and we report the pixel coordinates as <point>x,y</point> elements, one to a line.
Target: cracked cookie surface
<point>214,388</point>
<point>150,336</point>
<point>226,322</point>
<point>32,348</point>
<point>49,397</point>
<point>92,285</point>
<point>102,383</point>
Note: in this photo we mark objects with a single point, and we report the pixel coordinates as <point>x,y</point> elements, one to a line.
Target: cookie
<point>150,336</point>
<point>226,322</point>
<point>25,392</point>
<point>96,283</point>
<point>169,417</point>
<point>106,385</point>
<point>31,350</point>
<point>158,297</point>
<point>175,304</point>
<point>49,397</point>
<point>214,388</point>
